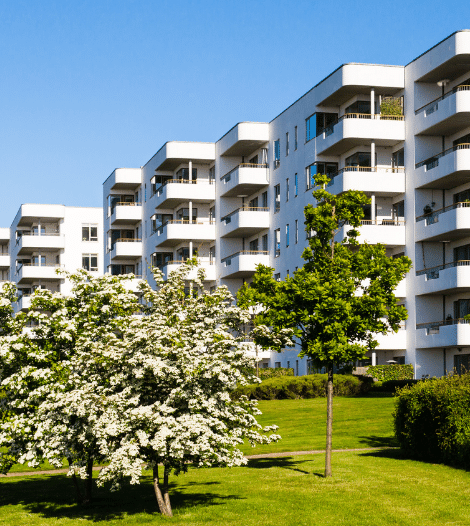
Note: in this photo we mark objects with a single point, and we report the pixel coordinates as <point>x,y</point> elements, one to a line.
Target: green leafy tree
<point>338,301</point>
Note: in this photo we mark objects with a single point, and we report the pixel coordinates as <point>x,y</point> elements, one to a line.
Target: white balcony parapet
<point>124,248</point>
<point>450,222</point>
<point>387,231</point>
<point>244,138</point>
<point>243,263</point>
<point>244,221</point>
<point>4,235</point>
<point>176,191</point>
<point>450,278</point>
<point>443,116</point>
<point>126,213</point>
<point>177,230</point>
<point>30,271</point>
<point>123,179</point>
<point>352,129</point>
<point>381,181</point>
<point>207,265</point>
<point>446,169</point>
<point>49,241</point>
<point>244,179</point>
<point>4,261</point>
<point>392,340</point>
<point>445,333</point>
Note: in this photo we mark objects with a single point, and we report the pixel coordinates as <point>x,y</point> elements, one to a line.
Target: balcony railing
<point>32,264</point>
<point>181,261</point>
<point>228,259</point>
<point>226,178</point>
<point>432,106</point>
<point>433,217</point>
<point>433,272</point>
<point>183,222</point>
<point>382,222</point>
<point>432,162</point>
<point>370,116</point>
<point>126,203</point>
<point>228,218</point>
<point>437,324</point>
<point>158,190</point>
<point>365,169</point>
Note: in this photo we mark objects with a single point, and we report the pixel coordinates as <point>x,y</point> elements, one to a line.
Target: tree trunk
<point>88,480</point>
<point>166,495</point>
<point>159,495</point>
<point>329,419</point>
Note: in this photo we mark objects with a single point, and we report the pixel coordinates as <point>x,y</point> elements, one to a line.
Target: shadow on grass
<point>54,497</point>
<point>279,462</point>
<point>377,441</point>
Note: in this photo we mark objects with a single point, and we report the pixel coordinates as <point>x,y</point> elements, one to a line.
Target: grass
<point>358,423</point>
<point>367,489</point>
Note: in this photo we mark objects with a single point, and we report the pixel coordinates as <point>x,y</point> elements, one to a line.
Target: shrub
<point>432,420</point>
<point>391,106</point>
<point>274,372</point>
<point>309,386</point>
<point>391,372</point>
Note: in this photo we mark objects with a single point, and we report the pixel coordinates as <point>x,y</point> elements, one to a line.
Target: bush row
<point>275,372</point>
<point>432,420</point>
<point>391,372</point>
<point>309,386</point>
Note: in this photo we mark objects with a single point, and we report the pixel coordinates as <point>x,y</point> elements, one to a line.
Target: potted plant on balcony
<point>391,106</point>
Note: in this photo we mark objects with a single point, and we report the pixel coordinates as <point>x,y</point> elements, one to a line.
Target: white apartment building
<point>401,134</point>
<point>44,238</point>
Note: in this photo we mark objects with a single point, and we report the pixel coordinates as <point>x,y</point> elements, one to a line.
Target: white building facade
<point>44,238</point>
<point>401,134</point>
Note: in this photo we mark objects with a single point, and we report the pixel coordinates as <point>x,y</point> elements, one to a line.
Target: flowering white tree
<point>171,376</point>
<point>48,404</point>
<point>90,381</point>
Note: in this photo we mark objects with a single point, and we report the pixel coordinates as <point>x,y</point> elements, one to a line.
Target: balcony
<point>389,232</point>
<point>207,265</point>
<point>392,340</point>
<point>176,191</point>
<point>450,222</point>
<point>124,179</point>
<point>174,153</point>
<point>352,129</point>
<point>4,235</point>
<point>178,230</point>
<point>32,213</point>
<point>446,333</point>
<point>243,264</point>
<point>28,243</point>
<point>448,278</point>
<point>244,222</point>
<point>124,248</point>
<point>445,170</point>
<point>4,261</point>
<point>244,180</point>
<point>126,214</point>
<point>24,303</point>
<point>445,115</point>
<point>243,139</point>
<point>31,272</point>
<point>380,181</point>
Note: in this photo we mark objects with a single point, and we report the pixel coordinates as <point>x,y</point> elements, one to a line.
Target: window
<point>287,144</point>
<point>360,106</point>
<point>287,189</point>
<point>296,184</point>
<point>264,243</point>
<point>295,138</point>
<point>90,262</point>
<point>277,153</point>
<point>117,270</point>
<point>358,159</point>
<point>211,255</point>
<point>398,160</point>
<point>462,253</point>
<point>296,239</point>
<point>183,214</point>
<point>253,202</point>
<point>254,245</point>
<point>160,259</point>
<point>330,169</point>
<point>287,235</point>
<point>287,273</point>
<point>463,196</point>
<point>399,209</point>
<point>277,365</point>
<point>277,198</point>
<point>264,199</point>
<point>277,276</point>
<point>212,175</point>
<point>277,242</point>
<point>183,174</point>
<point>461,363</point>
<point>310,127</point>
<point>311,171</point>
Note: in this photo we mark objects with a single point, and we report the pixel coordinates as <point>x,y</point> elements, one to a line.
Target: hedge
<point>391,372</point>
<point>274,372</point>
<point>432,420</point>
<point>309,386</point>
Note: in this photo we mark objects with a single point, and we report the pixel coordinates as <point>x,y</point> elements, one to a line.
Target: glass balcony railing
<point>433,106</point>
<point>432,162</point>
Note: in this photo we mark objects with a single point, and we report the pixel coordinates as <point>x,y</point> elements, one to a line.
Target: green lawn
<point>358,423</point>
<point>367,489</point>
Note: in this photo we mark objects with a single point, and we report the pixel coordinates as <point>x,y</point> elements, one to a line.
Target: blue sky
<point>88,86</point>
